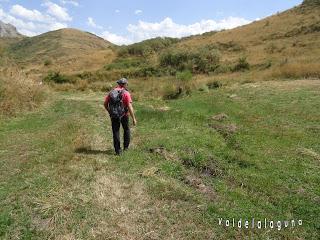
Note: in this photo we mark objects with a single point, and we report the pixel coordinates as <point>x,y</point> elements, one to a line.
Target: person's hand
<point>134,122</point>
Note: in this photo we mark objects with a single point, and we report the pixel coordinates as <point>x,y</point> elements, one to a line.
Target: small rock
<point>220,117</point>
<point>309,152</point>
<point>150,172</point>
<point>158,150</point>
<point>233,96</point>
<point>164,109</point>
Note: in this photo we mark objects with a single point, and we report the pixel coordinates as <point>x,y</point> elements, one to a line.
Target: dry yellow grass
<point>67,50</point>
<point>18,92</point>
<point>291,36</point>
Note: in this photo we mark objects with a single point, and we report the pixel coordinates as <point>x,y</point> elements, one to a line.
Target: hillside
<point>292,34</point>
<point>213,141</point>
<point>284,45</point>
<point>68,50</point>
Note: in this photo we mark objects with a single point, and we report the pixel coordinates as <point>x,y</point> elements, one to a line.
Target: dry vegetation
<point>282,46</point>
<point>18,92</point>
<point>287,41</point>
<point>65,50</point>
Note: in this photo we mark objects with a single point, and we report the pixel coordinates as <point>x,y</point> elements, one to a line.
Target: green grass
<point>59,177</point>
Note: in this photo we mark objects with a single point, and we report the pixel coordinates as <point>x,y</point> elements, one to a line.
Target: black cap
<point>122,81</point>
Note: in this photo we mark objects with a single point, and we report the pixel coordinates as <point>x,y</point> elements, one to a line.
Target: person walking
<point>118,103</point>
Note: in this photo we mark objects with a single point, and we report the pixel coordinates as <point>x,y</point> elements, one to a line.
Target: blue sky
<point>125,21</point>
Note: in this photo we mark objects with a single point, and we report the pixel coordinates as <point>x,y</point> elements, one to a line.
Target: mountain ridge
<point>64,47</point>
<point>7,30</point>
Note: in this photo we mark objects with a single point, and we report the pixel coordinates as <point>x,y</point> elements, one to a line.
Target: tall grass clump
<point>242,65</point>
<point>202,60</point>
<point>147,47</point>
<point>57,77</point>
<point>18,93</point>
<point>297,70</point>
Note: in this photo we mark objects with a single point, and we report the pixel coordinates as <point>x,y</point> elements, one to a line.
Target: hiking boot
<point>119,153</point>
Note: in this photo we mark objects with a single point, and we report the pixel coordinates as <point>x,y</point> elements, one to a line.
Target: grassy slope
<point>59,179</point>
<point>285,45</point>
<point>69,50</point>
<point>292,34</point>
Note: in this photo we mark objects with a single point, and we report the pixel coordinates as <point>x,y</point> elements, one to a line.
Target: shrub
<point>174,59</point>
<point>297,70</point>
<point>242,65</point>
<point>18,93</point>
<point>203,60</point>
<point>223,69</point>
<point>266,65</point>
<point>147,71</point>
<point>184,76</point>
<point>56,77</point>
<point>214,85</point>
<point>204,88</point>
<point>47,62</point>
<point>173,93</point>
<point>147,47</point>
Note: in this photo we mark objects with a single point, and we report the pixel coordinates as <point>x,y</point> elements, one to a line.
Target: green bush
<point>184,76</point>
<point>242,65</point>
<point>223,69</point>
<point>203,88</point>
<point>147,47</point>
<point>175,59</point>
<point>206,60</point>
<point>172,93</point>
<point>56,77</point>
<point>47,62</point>
<point>203,60</point>
<point>214,85</point>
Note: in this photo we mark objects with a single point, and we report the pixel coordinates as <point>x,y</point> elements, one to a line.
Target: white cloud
<point>92,23</point>
<point>117,11</point>
<point>32,15</point>
<point>168,28</point>
<point>137,12</point>
<point>116,39</point>
<point>30,22</point>
<point>71,2</point>
<point>57,11</point>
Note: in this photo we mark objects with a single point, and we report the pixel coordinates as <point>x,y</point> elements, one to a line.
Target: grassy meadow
<point>238,151</point>
<point>228,127</point>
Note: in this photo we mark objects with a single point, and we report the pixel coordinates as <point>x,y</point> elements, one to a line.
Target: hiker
<point>119,104</point>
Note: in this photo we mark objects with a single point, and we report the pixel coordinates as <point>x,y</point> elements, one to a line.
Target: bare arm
<point>106,106</point>
<point>131,111</point>
<point>106,103</point>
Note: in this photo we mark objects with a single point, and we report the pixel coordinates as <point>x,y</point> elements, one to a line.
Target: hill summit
<point>8,30</point>
<point>67,49</point>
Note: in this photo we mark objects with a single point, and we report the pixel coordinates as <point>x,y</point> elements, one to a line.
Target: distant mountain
<point>8,31</point>
<point>67,49</point>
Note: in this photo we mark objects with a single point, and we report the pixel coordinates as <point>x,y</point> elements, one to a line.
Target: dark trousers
<point>124,121</point>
